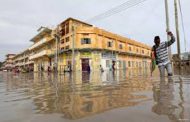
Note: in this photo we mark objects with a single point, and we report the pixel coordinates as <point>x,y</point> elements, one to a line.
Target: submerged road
<point>122,96</point>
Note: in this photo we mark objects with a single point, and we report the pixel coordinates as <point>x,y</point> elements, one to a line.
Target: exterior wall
<point>42,62</point>
<point>126,53</point>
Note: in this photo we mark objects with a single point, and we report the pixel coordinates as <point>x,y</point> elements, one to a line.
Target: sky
<point>20,19</point>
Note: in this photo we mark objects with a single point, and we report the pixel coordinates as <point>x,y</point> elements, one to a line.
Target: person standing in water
<point>160,51</point>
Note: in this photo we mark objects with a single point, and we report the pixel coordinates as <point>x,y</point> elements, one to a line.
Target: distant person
<point>49,69</point>
<point>88,69</point>
<point>113,66</point>
<point>101,68</point>
<point>160,52</point>
<point>42,68</point>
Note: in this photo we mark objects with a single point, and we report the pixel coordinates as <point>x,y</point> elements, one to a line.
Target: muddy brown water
<point>122,96</point>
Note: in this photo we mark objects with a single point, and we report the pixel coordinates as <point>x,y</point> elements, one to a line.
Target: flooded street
<point>123,96</point>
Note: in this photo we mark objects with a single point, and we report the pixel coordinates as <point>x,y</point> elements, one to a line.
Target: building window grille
<point>85,41</point>
<point>107,63</point>
<point>62,41</point>
<point>129,64</point>
<point>67,28</point>
<point>142,51</point>
<point>67,39</point>
<point>109,44</point>
<point>120,46</point>
<point>130,49</point>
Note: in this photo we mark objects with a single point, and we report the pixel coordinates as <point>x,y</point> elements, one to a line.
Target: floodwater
<point>122,96</point>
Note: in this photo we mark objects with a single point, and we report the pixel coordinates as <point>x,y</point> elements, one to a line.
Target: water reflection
<point>79,94</point>
<point>169,100</point>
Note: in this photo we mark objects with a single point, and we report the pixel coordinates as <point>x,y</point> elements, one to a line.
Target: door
<point>85,64</point>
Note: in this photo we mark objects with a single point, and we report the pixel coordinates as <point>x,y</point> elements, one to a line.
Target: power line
<point>126,5</point>
<point>116,10</point>
<point>183,27</point>
<point>113,9</point>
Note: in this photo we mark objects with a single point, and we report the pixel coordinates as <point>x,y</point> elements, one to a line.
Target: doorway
<point>85,64</point>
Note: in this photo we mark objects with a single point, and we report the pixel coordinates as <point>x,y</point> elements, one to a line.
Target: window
<point>86,41</point>
<point>109,44</point>
<point>67,47</point>
<point>62,41</point>
<point>67,28</point>
<point>130,49</point>
<point>67,39</point>
<point>120,63</point>
<point>62,31</point>
<point>129,64</point>
<point>120,46</point>
<point>142,51</point>
<point>107,63</point>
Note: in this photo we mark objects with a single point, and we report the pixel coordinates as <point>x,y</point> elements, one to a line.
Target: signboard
<point>86,55</point>
<point>108,55</point>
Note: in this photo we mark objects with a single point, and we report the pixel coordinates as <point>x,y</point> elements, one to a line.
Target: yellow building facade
<point>80,46</point>
<point>96,48</point>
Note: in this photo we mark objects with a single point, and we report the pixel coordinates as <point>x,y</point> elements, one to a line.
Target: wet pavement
<point>122,96</point>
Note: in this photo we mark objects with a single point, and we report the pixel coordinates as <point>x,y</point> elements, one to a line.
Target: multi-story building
<point>82,47</point>
<point>89,46</point>
<point>42,50</point>
<point>8,64</point>
<point>22,62</point>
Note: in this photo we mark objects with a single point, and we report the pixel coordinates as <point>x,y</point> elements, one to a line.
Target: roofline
<point>10,54</point>
<point>45,30</point>
<point>70,18</point>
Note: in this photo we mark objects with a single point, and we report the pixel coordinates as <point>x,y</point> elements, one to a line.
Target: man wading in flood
<point>160,51</point>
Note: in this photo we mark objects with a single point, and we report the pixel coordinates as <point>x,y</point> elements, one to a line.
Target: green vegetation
<point>1,63</point>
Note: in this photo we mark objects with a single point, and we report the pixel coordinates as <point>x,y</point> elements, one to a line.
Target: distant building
<point>184,56</point>
<point>22,62</point>
<point>8,64</point>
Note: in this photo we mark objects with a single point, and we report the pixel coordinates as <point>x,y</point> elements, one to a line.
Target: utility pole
<point>73,48</point>
<point>57,38</point>
<point>168,27</point>
<point>177,29</point>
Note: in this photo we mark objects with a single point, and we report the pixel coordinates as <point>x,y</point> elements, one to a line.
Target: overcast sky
<point>20,19</point>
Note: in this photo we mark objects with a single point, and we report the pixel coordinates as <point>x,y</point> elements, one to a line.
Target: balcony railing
<point>41,42</point>
<point>40,54</point>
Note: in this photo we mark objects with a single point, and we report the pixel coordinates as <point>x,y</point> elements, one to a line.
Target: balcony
<point>40,54</point>
<point>41,42</point>
<point>9,65</point>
